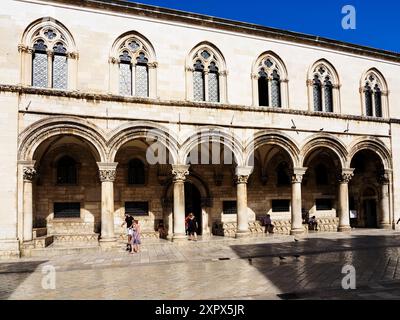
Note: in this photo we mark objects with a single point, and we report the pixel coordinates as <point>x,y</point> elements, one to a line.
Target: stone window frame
<point>278,65</point>
<point>216,57</point>
<point>329,70</point>
<point>145,46</point>
<point>36,31</point>
<point>380,80</point>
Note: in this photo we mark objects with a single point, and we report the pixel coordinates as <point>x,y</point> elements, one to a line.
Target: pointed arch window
<point>269,82</point>
<point>374,97</point>
<point>204,75</point>
<point>67,171</point>
<point>323,88</point>
<point>133,69</point>
<point>50,59</point>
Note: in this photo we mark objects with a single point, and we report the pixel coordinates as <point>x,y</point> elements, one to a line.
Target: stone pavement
<point>276,267</point>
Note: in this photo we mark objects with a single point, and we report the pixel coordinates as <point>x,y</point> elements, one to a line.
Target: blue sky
<point>377,22</point>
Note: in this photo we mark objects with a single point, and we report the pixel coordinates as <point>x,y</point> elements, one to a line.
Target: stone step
<point>43,242</point>
<point>39,232</point>
<point>54,250</point>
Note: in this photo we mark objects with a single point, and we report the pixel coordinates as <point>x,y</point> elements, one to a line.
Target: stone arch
<point>373,144</point>
<point>331,69</point>
<point>274,138</point>
<point>34,135</point>
<point>30,34</point>
<point>324,141</point>
<point>142,130</point>
<point>212,134</point>
<point>206,45</point>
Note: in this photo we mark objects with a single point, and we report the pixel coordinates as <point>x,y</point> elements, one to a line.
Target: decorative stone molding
<point>73,55</point>
<point>107,171</point>
<point>241,179</point>
<point>180,172</point>
<point>22,48</point>
<point>346,175</point>
<point>298,174</point>
<point>29,173</point>
<point>153,65</point>
<point>113,60</point>
<point>384,178</point>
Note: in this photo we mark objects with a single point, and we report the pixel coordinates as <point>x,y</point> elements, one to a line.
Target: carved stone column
<point>242,177</point>
<point>107,173</point>
<point>344,211</point>
<point>297,219</point>
<point>29,174</point>
<point>179,173</point>
<point>384,221</point>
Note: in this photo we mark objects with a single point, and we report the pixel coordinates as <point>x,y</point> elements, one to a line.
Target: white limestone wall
<point>94,33</point>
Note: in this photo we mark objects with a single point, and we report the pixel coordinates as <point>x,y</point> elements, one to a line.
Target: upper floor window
<point>206,74</point>
<point>133,67</point>
<point>270,82</point>
<point>50,50</point>
<point>67,172</point>
<point>323,86</point>
<point>374,94</point>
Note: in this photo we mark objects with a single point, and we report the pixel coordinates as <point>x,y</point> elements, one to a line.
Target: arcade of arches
<point>70,189</point>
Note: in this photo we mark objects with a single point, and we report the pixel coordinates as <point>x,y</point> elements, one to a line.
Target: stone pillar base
<point>385,226</point>
<point>295,232</point>
<point>179,238</point>
<point>9,249</point>
<point>242,234</point>
<point>344,228</point>
<point>108,243</point>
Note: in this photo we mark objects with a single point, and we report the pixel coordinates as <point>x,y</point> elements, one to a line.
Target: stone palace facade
<point>111,107</point>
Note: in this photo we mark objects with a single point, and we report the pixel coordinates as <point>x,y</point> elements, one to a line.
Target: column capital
<point>242,174</point>
<point>22,48</point>
<point>298,174</point>
<point>107,171</point>
<point>153,65</point>
<point>384,177</point>
<point>29,173</point>
<point>346,175</point>
<point>180,172</point>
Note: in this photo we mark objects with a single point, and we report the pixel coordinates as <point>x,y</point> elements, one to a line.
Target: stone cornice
<point>91,97</point>
<point>199,20</point>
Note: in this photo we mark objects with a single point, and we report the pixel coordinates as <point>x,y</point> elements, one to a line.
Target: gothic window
<point>136,172</point>
<point>133,68</point>
<point>282,173</point>
<point>50,49</point>
<point>60,66</point>
<point>198,82</point>
<point>321,175</point>
<point>373,100</point>
<point>317,94</point>
<point>39,65</point>
<point>269,82</point>
<point>323,85</point>
<point>328,91</point>
<point>206,76</point>
<point>66,171</point>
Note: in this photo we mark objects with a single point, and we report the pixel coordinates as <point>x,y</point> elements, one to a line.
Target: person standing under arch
<point>192,227</point>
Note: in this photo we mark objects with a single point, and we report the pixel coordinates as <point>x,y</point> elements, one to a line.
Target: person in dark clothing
<point>128,221</point>
<point>192,227</point>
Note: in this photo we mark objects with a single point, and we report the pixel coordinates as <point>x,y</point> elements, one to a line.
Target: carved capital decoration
<point>189,69</point>
<point>112,60</point>
<point>223,73</point>
<point>22,48</point>
<point>384,178</point>
<point>73,55</point>
<point>180,172</point>
<point>298,174</point>
<point>241,179</point>
<point>107,175</point>
<point>29,174</point>
<point>346,176</point>
<point>152,65</point>
<point>50,53</point>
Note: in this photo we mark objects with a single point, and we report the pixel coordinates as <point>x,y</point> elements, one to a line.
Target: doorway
<point>193,204</point>
<point>371,219</point>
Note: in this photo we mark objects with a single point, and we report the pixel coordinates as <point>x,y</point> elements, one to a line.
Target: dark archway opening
<point>193,204</point>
